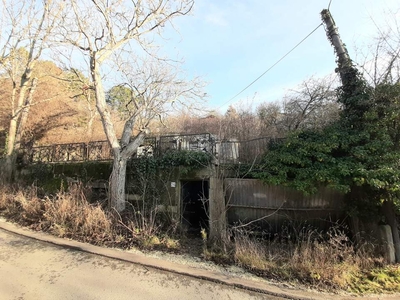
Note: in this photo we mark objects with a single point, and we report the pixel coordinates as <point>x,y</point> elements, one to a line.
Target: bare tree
<point>311,105</point>
<point>308,106</point>
<point>116,31</point>
<point>154,88</point>
<point>79,85</point>
<point>26,30</point>
<point>239,123</point>
<point>269,116</point>
<point>380,61</point>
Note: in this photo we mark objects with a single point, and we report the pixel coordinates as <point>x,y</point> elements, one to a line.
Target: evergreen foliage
<point>358,155</point>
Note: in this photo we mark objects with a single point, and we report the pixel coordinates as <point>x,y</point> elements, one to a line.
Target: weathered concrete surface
<point>31,269</point>
<point>68,270</point>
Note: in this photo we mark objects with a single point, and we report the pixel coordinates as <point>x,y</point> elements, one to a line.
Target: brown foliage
<point>57,115</point>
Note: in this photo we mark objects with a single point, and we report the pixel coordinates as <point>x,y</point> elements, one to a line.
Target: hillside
<point>58,114</point>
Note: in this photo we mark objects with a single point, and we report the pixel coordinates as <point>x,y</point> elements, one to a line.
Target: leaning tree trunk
<point>117,179</point>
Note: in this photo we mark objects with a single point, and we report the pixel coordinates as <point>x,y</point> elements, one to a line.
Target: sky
<point>229,43</point>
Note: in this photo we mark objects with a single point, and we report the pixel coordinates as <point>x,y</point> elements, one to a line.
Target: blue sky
<point>230,43</point>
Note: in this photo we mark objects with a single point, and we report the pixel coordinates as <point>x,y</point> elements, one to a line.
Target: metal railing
<point>224,151</point>
<point>73,152</point>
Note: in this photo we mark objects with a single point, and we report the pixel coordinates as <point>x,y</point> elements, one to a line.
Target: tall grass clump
<point>147,227</point>
<point>22,205</point>
<point>69,214</point>
<point>66,214</point>
<point>326,260</point>
<point>250,253</point>
<point>5,198</point>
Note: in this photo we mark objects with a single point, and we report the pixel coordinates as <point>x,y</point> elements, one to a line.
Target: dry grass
<point>328,263</point>
<point>22,205</point>
<point>31,206</point>
<point>251,254</point>
<point>5,198</point>
<point>69,214</point>
<point>325,261</point>
<point>144,229</point>
<point>219,251</point>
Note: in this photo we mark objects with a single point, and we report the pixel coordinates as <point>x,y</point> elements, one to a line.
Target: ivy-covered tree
<point>359,154</point>
<point>344,154</point>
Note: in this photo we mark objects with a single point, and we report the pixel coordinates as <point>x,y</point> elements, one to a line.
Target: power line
<point>329,6</point>
<point>255,80</point>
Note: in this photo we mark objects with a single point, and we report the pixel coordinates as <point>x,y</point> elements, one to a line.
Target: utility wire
<point>329,4</point>
<point>255,80</point>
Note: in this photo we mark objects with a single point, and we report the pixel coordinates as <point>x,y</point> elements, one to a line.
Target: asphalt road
<point>31,269</point>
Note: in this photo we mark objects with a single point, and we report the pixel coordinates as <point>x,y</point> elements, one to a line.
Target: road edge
<point>166,266</point>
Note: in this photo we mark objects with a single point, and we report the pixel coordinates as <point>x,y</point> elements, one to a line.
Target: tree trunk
<point>117,182</point>
<point>7,169</point>
<point>123,149</point>
<point>118,175</point>
<point>12,132</point>
<point>89,133</point>
<point>8,161</point>
<point>390,215</point>
<point>117,179</point>
<point>24,115</point>
<point>348,74</point>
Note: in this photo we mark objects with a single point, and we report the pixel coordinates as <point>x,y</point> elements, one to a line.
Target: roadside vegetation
<point>343,135</point>
<point>324,261</point>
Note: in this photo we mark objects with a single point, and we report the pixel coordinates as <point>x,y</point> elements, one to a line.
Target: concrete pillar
<point>217,209</point>
<point>388,245</point>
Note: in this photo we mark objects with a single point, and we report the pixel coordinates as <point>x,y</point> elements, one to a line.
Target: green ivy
<point>146,175</point>
<point>187,161</point>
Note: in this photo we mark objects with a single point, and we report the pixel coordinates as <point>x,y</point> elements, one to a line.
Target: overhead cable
<point>255,80</point>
